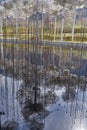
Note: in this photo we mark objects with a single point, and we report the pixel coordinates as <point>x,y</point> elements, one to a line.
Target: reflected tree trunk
<point>60,56</point>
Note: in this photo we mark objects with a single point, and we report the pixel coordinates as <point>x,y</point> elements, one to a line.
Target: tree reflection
<point>70,94</point>
<point>9,125</point>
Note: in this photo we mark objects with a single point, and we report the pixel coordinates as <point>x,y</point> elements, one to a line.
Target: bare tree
<point>71,5</point>
<point>2,10</point>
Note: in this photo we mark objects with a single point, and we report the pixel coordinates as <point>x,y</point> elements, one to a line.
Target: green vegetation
<point>24,32</point>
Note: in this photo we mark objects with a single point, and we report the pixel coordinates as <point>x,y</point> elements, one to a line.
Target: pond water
<point>60,57</point>
<point>68,115</point>
<point>63,114</point>
<point>8,101</point>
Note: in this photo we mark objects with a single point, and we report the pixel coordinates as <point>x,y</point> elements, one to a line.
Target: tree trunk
<point>73,24</point>
<point>62,28</point>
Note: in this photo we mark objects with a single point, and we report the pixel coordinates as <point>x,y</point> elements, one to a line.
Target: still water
<point>63,114</point>
<point>68,115</point>
<point>8,101</point>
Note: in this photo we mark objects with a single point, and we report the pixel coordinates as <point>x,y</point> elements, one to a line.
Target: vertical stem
<point>17,36</point>
<point>53,56</point>
<point>42,29</point>
<point>1,24</point>
<point>0,122</point>
<point>73,24</point>
<point>37,22</point>
<point>16,27</point>
<point>55,30</point>
<point>60,52</point>
<point>2,54</point>
<point>70,57</point>
<point>1,113</point>
<point>62,28</point>
<point>35,94</point>
<point>42,23</point>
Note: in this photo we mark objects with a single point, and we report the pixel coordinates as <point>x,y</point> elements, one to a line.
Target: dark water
<point>81,70</point>
<point>64,114</point>
<point>75,60</point>
<point>68,115</point>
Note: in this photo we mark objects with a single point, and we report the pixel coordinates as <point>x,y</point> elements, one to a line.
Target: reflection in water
<point>8,102</point>
<point>63,114</point>
<point>68,115</point>
<point>65,108</point>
